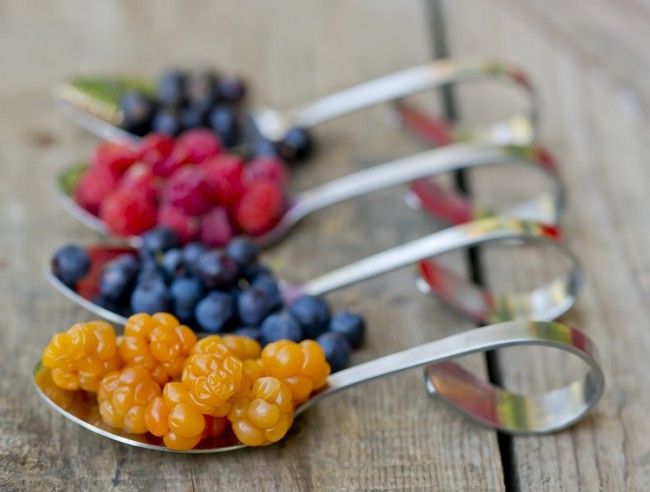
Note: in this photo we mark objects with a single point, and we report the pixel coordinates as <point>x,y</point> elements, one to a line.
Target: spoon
<point>546,207</point>
<point>491,406</point>
<point>546,302</point>
<point>101,115</point>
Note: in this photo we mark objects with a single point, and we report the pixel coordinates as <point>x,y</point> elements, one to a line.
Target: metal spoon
<point>546,302</point>
<point>497,408</point>
<point>546,207</point>
<point>103,117</point>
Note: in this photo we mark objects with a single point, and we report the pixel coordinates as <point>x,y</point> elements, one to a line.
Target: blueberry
<point>167,121</point>
<point>223,122</point>
<point>337,349</point>
<point>138,111</point>
<point>150,272</point>
<point>350,325</point>
<point>171,88</point>
<point>117,278</point>
<point>231,89</point>
<point>247,331</point>
<point>172,263</point>
<point>200,87</point>
<point>191,254</point>
<point>256,270</point>
<point>192,117</point>
<point>280,326</point>
<point>186,294</point>
<point>312,313</point>
<point>150,297</point>
<point>159,240</point>
<point>297,144</point>
<point>214,311</point>
<point>70,263</point>
<point>268,284</point>
<point>264,147</point>
<point>217,269</point>
<point>243,251</point>
<point>253,305</point>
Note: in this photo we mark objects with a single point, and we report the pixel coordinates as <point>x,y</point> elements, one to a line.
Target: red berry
<point>187,190</point>
<point>128,213</point>
<point>174,161</point>
<point>113,156</point>
<point>186,226</point>
<point>156,148</point>
<point>224,176</point>
<point>267,168</point>
<point>260,208</point>
<point>199,144</point>
<point>140,179</point>
<point>216,230</point>
<point>93,188</point>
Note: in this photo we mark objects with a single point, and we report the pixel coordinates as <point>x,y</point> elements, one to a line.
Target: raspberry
<point>216,230</point>
<point>224,176</point>
<point>187,190</point>
<point>157,343</point>
<point>140,179</point>
<point>123,398</point>
<point>265,415</point>
<point>199,145</point>
<point>173,162</point>
<point>267,168</point>
<point>260,208</point>
<point>155,149</point>
<point>81,356</point>
<point>302,366</point>
<point>186,226</point>
<point>93,187</point>
<point>113,156</point>
<point>126,213</point>
<point>212,375</point>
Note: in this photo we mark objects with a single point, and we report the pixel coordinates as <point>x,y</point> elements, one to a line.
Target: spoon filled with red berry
<point>225,398</point>
<point>229,290</point>
<point>203,194</point>
<point>126,109</point>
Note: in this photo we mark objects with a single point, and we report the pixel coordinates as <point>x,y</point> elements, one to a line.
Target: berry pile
<point>188,184</point>
<point>224,383</point>
<point>202,99</point>
<point>216,291</point>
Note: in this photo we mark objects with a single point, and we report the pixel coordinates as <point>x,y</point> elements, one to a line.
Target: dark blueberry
<point>150,297</point>
<point>231,89</point>
<point>167,121</point>
<point>200,88</point>
<point>253,305</point>
<point>186,294</point>
<point>256,270</point>
<point>312,313</point>
<point>159,240</point>
<point>171,88</point>
<point>117,278</point>
<point>217,270</point>
<point>265,148</point>
<point>172,263</point>
<point>191,255</point>
<point>297,144</point>
<point>350,325</point>
<point>247,331</point>
<point>70,263</point>
<point>280,326</point>
<point>337,349</point>
<point>138,111</point>
<point>268,284</point>
<point>223,122</point>
<point>151,272</point>
<point>214,311</point>
<point>243,251</point>
<point>192,117</point>
<point>112,306</point>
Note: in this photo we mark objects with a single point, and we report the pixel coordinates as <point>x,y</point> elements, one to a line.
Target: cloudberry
<point>81,356</point>
<point>241,347</point>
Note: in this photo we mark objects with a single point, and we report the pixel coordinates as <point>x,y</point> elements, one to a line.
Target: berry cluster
<point>215,291</point>
<point>223,383</point>
<point>202,99</point>
<point>188,184</point>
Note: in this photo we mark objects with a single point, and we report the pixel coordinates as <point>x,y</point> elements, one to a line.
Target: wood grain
<point>384,435</point>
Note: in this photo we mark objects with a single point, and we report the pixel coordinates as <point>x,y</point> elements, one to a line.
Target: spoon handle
<point>426,164</point>
<point>401,84</point>
<point>492,406</point>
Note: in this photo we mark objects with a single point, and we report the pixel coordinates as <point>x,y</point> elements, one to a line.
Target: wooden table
<point>388,434</point>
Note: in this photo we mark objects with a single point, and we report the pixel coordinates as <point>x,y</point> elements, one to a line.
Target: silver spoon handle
<point>398,85</point>
<point>492,406</point>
